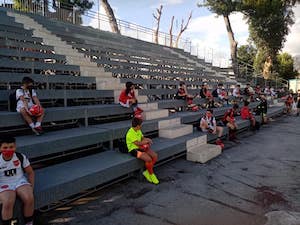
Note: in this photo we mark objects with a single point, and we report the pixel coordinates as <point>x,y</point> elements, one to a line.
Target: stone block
<point>201,140</point>
<point>176,131</point>
<point>203,153</point>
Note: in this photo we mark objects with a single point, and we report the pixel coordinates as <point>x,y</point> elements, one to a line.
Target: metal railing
<point>71,14</point>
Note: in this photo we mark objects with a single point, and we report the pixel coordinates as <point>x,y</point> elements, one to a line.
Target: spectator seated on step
<point>208,124</point>
<point>223,96</point>
<point>183,94</point>
<point>204,92</point>
<point>262,109</point>
<point>237,92</point>
<point>249,92</point>
<point>140,147</point>
<point>229,121</point>
<point>13,183</point>
<point>288,103</point>
<point>258,90</point>
<point>127,98</point>
<point>29,106</point>
<point>246,114</point>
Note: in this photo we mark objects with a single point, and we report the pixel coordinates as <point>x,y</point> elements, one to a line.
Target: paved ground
<point>254,183</point>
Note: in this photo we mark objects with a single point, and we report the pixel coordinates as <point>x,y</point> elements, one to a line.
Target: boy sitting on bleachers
<point>208,124</point>
<point>28,105</point>
<point>229,121</point>
<point>127,98</point>
<point>13,182</point>
<point>139,147</point>
<point>183,94</point>
<point>246,114</point>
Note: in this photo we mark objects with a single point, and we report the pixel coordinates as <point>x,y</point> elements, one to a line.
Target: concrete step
<point>169,123</point>
<point>155,114</point>
<point>176,131</point>
<point>149,106</point>
<point>141,98</point>
<point>203,153</point>
<point>201,140</point>
<point>107,86</point>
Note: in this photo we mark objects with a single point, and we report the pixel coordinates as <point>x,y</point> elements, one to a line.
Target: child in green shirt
<point>139,147</point>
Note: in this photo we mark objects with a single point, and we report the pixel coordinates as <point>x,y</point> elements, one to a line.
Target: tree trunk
<point>171,31</point>
<point>112,19</point>
<point>182,29</point>
<point>267,70</point>
<point>157,16</point>
<point>233,45</point>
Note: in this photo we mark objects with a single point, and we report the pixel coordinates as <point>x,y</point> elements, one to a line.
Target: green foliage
<point>247,53</point>
<point>269,22</point>
<point>80,5</point>
<point>286,66</point>
<point>221,7</point>
<point>259,61</point>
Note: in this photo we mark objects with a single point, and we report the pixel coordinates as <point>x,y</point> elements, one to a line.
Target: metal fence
<point>68,13</point>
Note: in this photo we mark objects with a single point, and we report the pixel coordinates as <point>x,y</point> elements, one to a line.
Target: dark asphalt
<point>249,180</point>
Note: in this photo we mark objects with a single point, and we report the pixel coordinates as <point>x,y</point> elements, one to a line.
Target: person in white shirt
<point>237,91</point>
<point>13,183</point>
<point>27,100</point>
<point>208,124</point>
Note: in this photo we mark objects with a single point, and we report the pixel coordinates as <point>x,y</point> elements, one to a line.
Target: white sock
<point>37,124</point>
<point>31,125</point>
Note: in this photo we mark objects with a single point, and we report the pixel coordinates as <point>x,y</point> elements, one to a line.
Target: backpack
<point>21,158</point>
<point>13,101</point>
<point>122,145</point>
<point>215,93</point>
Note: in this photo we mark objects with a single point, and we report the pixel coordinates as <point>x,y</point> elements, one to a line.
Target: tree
<point>247,53</point>
<point>286,66</point>
<point>157,17</point>
<point>269,22</point>
<point>225,8</point>
<point>182,29</point>
<point>111,16</point>
<point>171,31</point>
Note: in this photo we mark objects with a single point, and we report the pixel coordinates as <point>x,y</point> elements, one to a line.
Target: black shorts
<point>134,152</point>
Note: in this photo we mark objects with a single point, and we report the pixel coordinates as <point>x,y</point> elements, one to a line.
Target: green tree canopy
<point>286,66</point>
<point>247,53</point>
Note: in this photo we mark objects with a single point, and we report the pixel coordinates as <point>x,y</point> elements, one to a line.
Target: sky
<point>206,31</point>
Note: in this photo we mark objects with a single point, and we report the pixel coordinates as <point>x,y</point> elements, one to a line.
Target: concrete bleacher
<point>75,85</point>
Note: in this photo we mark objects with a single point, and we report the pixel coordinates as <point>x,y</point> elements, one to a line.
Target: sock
<point>31,125</point>
<point>149,167</point>
<point>231,134</point>
<point>154,161</point>
<point>28,220</point>
<point>37,124</point>
<point>6,222</point>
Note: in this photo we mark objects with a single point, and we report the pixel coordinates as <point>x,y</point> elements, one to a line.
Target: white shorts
<point>127,105</point>
<point>13,186</point>
<point>21,105</point>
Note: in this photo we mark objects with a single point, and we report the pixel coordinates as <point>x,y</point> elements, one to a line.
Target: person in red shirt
<point>183,94</point>
<point>288,103</point>
<point>127,98</point>
<point>229,121</point>
<point>246,114</point>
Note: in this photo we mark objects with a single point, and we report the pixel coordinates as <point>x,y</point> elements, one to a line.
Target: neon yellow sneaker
<point>147,176</point>
<point>154,179</point>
